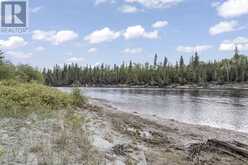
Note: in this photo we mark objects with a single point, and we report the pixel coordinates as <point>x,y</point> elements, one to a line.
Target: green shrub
<point>7,71</point>
<point>26,73</point>
<point>18,99</point>
<point>10,82</point>
<point>77,97</point>
<point>23,98</point>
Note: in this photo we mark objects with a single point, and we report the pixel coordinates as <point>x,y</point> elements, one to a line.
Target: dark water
<point>218,108</point>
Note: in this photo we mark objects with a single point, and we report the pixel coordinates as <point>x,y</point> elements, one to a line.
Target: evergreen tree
<point>155,60</point>
<point>236,52</point>
<point>165,62</point>
<point>228,70</point>
<point>196,59</point>
<point>181,62</point>
<point>1,57</point>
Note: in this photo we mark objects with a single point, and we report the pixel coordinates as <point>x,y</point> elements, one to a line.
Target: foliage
<point>75,120</point>
<point>1,57</point>
<point>18,99</point>
<point>159,74</point>
<point>77,97</point>
<point>7,71</point>
<point>26,73</point>
<point>22,73</point>
<point>20,93</point>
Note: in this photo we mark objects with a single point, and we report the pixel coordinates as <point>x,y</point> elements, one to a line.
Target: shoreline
<point>97,133</point>
<point>155,118</point>
<point>189,143</point>
<point>210,86</point>
<point>162,121</point>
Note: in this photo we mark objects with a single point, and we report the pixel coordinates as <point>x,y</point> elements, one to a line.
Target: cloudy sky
<point>112,31</point>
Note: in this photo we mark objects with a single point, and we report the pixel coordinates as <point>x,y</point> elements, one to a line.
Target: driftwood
<point>234,149</point>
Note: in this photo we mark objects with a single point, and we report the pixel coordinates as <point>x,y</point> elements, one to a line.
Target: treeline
<point>20,73</point>
<point>157,74</point>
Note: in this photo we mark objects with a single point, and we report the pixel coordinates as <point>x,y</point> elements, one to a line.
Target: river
<point>216,108</point>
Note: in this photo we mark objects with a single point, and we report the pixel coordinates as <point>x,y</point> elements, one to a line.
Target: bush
<point>77,97</point>
<point>26,73</point>
<point>7,71</point>
<point>21,73</point>
<point>18,99</point>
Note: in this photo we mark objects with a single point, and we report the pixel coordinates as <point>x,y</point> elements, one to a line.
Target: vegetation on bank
<point>20,73</point>
<point>18,99</point>
<point>58,133</point>
<point>22,92</point>
<point>158,74</point>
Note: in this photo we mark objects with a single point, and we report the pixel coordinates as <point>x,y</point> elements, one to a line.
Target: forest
<point>159,74</point>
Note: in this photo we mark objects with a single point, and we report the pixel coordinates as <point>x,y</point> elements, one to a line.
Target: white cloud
<point>43,35</point>
<point>132,50</point>
<point>36,9</point>
<point>92,50</point>
<point>241,40</point>
<point>226,46</point>
<point>40,48</point>
<point>192,49</point>
<point>54,37</point>
<point>224,26</point>
<point>160,24</point>
<point>98,2</point>
<point>129,9</point>
<point>132,32</point>
<point>103,35</point>
<point>19,55</point>
<point>233,8</point>
<point>74,60</point>
<point>65,36</point>
<point>215,4</point>
<point>139,32</point>
<point>156,3</point>
<point>229,45</point>
<point>12,42</point>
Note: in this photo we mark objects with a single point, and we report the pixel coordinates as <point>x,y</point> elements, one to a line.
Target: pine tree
<point>181,62</point>
<point>155,60</point>
<point>1,57</point>
<point>165,62</point>
<point>236,52</point>
<point>233,70</point>
<point>196,59</point>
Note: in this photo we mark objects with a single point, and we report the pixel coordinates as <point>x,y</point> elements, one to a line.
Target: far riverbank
<point>210,86</point>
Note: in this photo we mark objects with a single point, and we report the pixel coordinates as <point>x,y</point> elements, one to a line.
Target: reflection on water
<point>217,108</point>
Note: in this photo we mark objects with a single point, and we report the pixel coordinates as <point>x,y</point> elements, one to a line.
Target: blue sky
<point>112,31</point>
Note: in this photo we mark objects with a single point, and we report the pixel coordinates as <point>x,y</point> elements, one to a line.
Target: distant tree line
<point>158,74</point>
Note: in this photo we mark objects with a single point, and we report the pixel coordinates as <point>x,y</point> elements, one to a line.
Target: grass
<point>69,141</point>
<point>1,151</point>
<point>21,99</point>
<point>72,141</point>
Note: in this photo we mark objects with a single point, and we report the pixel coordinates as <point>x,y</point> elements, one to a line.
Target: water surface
<point>217,108</point>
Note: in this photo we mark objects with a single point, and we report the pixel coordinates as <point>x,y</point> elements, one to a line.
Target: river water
<point>217,108</point>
